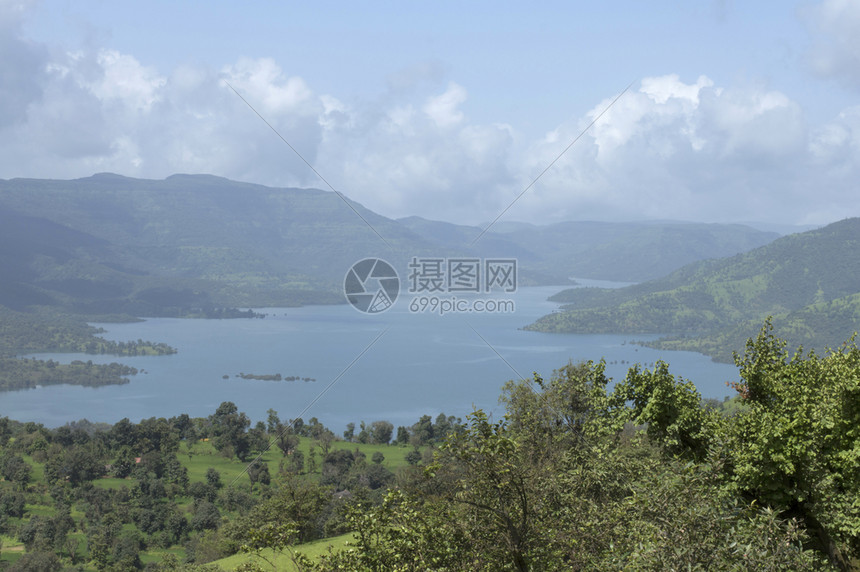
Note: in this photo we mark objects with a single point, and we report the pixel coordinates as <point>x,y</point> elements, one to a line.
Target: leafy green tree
<point>258,472</point>
<point>213,478</point>
<point>13,468</point>
<point>422,432</point>
<point>206,517</point>
<point>402,436</point>
<point>670,409</point>
<point>76,464</point>
<point>202,491</point>
<point>402,534</point>
<point>413,457</point>
<point>296,501</point>
<point>335,467</point>
<point>12,503</point>
<point>294,464</point>
<point>273,421</point>
<point>349,433</point>
<point>381,432</point>
<point>229,428</point>
<point>497,486</point>
<point>257,440</point>
<point>126,551</point>
<point>324,439</point>
<point>124,462</point>
<point>796,445</point>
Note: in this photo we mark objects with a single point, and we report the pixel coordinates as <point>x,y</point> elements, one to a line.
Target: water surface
<point>421,364</point>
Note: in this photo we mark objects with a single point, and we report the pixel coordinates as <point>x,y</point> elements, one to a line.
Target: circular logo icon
<point>371,285</point>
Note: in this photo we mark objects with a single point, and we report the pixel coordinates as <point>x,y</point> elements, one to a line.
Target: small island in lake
<point>272,377</point>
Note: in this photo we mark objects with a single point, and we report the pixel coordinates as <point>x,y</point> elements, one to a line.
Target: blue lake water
<point>421,364</point>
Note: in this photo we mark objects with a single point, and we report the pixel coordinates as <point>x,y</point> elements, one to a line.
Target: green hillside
<point>807,281</point>
<point>111,244</point>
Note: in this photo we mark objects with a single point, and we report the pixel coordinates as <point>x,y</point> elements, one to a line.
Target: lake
<point>418,364</point>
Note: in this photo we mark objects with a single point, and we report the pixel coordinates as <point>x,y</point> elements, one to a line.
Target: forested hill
<point>114,244</point>
<point>809,282</point>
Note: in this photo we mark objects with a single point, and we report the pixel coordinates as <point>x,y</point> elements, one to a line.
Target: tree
<point>497,486</point>
<point>273,422</point>
<point>413,457</point>
<point>422,432</point>
<point>297,501</point>
<point>295,464</point>
<point>228,427</point>
<point>259,472</point>
<point>13,468</point>
<point>796,445</point>
<point>670,409</point>
<point>206,517</point>
<point>380,432</point>
<point>12,503</point>
<point>349,434</point>
<point>324,440</point>
<point>335,467</point>
<point>126,551</point>
<point>286,439</point>
<point>402,436</point>
<point>213,477</point>
<point>76,464</point>
<point>402,534</point>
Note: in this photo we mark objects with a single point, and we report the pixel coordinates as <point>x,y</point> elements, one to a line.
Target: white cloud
<point>668,148</point>
<point>123,79</point>
<point>675,150</point>
<point>443,109</point>
<point>264,82</point>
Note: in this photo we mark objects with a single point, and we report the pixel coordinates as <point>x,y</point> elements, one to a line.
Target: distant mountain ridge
<point>110,244</point>
<point>809,282</point>
<point>622,252</point>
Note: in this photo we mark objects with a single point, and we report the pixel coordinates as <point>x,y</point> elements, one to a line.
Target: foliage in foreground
<point>576,477</point>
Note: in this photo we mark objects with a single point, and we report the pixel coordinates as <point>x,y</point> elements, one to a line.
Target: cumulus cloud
<point>444,109</point>
<point>676,150</point>
<point>670,148</point>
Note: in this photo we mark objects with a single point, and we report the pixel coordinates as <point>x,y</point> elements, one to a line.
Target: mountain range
<point>109,244</point>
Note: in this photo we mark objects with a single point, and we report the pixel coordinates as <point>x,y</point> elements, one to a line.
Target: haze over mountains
<point>112,244</point>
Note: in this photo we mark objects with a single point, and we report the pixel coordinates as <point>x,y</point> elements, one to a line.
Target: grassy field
<point>282,561</point>
<point>198,457</point>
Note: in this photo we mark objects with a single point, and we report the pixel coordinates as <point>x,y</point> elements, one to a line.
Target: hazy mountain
<point>113,244</point>
<point>624,252</point>
<point>186,240</point>
<point>810,283</point>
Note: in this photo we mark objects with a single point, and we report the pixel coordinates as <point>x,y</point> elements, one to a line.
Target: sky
<point>735,111</point>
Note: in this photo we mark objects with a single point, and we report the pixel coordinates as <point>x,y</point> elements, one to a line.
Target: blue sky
<point>738,111</point>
